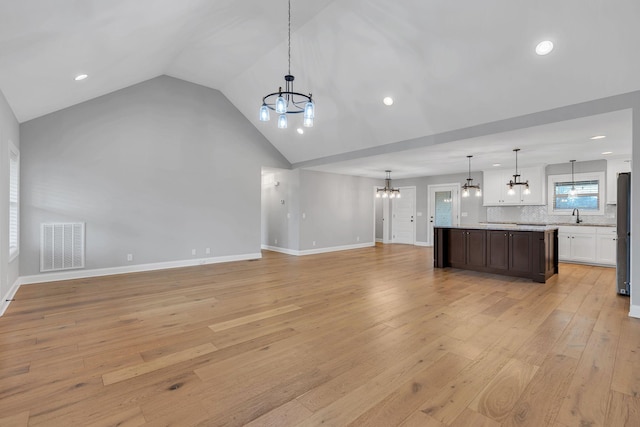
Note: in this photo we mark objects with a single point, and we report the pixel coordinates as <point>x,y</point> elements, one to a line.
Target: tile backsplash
<point>540,215</point>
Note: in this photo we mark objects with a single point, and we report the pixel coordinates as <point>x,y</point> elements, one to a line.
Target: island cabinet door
<point>498,249</point>
<point>456,252</point>
<point>476,248</point>
<point>520,253</point>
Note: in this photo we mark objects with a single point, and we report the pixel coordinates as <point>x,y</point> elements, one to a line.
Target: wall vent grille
<point>61,246</point>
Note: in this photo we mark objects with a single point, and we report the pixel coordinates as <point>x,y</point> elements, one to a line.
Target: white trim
<point>281,250</point>
<point>422,244</point>
<point>379,240</point>
<point>7,299</point>
<point>319,250</point>
<point>634,311</point>
<point>81,274</point>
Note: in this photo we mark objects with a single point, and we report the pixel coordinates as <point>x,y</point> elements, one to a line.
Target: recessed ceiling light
<point>607,152</point>
<point>544,47</point>
<point>496,164</point>
<point>598,137</point>
<point>81,77</point>
<point>300,131</point>
<point>388,100</point>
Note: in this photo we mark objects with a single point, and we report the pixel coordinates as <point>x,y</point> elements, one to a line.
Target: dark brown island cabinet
<point>529,252</point>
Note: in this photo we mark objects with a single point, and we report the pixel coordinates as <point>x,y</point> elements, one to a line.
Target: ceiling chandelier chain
<point>388,191</point>
<point>469,184</point>
<point>289,52</point>
<point>573,191</point>
<point>287,101</point>
<point>517,180</point>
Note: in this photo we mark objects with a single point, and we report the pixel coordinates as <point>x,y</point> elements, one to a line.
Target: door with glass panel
<point>443,208</point>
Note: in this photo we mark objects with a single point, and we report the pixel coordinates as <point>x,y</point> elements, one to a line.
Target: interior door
<point>444,208</point>
<point>403,223</point>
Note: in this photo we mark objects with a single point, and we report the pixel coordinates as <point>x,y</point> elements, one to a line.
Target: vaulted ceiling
<point>448,65</point>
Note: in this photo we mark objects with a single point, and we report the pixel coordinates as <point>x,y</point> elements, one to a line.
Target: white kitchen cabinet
<point>587,244</point>
<point>495,189</point>
<point>606,243</point>
<point>614,167</point>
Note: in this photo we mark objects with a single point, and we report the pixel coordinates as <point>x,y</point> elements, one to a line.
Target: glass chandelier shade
<point>388,191</point>
<point>288,101</point>
<point>469,184</point>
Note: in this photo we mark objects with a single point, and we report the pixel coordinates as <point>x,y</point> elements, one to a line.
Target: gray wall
<point>9,131</point>
<point>156,170</point>
<point>337,210</point>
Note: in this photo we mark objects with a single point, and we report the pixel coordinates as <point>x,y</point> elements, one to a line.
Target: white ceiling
<point>448,65</point>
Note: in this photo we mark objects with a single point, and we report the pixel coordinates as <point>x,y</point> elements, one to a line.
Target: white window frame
<point>586,176</point>
<point>14,201</point>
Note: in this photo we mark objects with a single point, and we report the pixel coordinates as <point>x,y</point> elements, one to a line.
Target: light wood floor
<point>368,337</point>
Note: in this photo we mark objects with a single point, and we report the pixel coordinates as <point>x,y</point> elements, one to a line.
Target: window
<point>14,201</point>
<point>588,197</point>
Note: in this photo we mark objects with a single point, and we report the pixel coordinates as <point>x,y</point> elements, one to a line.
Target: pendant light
<point>388,190</point>
<point>573,191</point>
<point>287,101</point>
<point>516,180</point>
<point>469,184</point>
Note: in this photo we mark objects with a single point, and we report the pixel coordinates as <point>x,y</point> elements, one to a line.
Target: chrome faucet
<point>576,211</point>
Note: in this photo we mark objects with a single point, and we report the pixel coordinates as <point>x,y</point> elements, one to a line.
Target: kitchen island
<point>520,251</point>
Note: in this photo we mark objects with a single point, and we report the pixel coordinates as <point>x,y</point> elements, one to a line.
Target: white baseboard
<point>81,274</point>
<point>378,240</point>
<point>319,250</point>
<point>7,299</point>
<point>336,248</point>
<point>281,250</point>
<point>423,244</point>
<point>634,311</point>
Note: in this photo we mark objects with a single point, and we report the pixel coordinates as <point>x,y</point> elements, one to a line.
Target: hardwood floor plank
<point>16,420</point>
<point>420,419</point>
<point>159,363</point>
<point>217,327</point>
<point>624,410</point>
<point>540,402</point>
<point>588,395</point>
<point>501,394</point>
<point>626,375</point>
<point>128,418</point>
<point>290,414</point>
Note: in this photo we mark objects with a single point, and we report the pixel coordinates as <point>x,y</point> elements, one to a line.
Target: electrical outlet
<point>313,243</point>
<point>193,251</point>
<point>207,251</point>
<point>276,241</point>
<point>357,238</point>
<point>129,257</point>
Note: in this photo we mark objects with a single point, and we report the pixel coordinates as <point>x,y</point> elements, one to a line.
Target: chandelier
<point>388,191</point>
<point>516,180</point>
<point>287,101</point>
<point>469,184</point>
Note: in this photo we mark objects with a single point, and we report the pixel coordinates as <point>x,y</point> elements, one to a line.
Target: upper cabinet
<point>614,167</point>
<point>495,190</point>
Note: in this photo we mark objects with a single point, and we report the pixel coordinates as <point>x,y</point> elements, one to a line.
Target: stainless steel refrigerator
<point>623,259</point>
